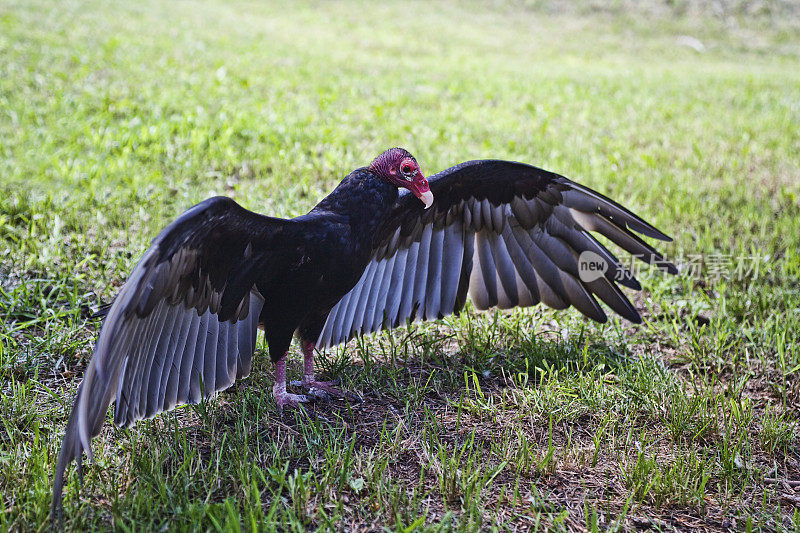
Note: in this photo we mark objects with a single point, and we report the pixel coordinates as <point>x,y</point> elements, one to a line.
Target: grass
<point>115,117</point>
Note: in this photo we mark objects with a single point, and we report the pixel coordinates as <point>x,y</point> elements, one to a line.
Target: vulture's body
<point>367,257</point>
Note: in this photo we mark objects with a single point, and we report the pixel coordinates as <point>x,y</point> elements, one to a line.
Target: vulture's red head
<point>399,168</point>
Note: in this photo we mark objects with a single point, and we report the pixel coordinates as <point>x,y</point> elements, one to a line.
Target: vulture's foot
<point>323,390</point>
<point>285,399</point>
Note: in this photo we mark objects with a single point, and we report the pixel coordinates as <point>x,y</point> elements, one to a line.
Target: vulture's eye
<point>407,170</point>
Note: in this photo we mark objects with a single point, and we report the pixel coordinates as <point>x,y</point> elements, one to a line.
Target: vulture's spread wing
<point>182,327</point>
<point>507,234</point>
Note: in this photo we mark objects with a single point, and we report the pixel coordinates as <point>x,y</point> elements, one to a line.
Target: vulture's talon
<point>290,400</point>
<point>319,394</point>
<point>326,388</point>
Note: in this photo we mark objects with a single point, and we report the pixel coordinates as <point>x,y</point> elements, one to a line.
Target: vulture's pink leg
<point>309,381</point>
<point>283,398</point>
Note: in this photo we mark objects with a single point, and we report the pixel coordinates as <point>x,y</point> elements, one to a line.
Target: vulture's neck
<point>362,199</point>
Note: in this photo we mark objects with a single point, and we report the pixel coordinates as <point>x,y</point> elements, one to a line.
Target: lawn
<point>117,116</point>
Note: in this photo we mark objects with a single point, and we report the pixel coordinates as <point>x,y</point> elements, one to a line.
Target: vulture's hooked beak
<point>421,190</point>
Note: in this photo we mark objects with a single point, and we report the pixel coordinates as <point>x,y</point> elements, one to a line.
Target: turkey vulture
<point>369,256</point>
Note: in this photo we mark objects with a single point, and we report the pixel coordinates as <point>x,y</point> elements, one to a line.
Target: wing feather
<point>549,283</point>
<point>181,369</point>
<point>177,345</point>
<point>372,298</point>
<point>506,273</point>
<point>247,336</point>
<point>144,354</point>
<point>453,258</point>
<point>355,309</point>
<point>208,368</point>
<point>228,364</point>
<point>394,296</point>
<point>191,372</point>
<point>483,286</point>
<point>166,344</point>
<point>421,278</point>
<point>135,360</point>
<point>379,311</point>
<point>407,301</point>
<point>433,286</point>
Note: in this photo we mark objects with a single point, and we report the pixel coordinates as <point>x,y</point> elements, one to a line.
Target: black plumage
<point>367,257</point>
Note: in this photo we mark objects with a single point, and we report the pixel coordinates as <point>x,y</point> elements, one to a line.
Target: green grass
<point>115,117</point>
